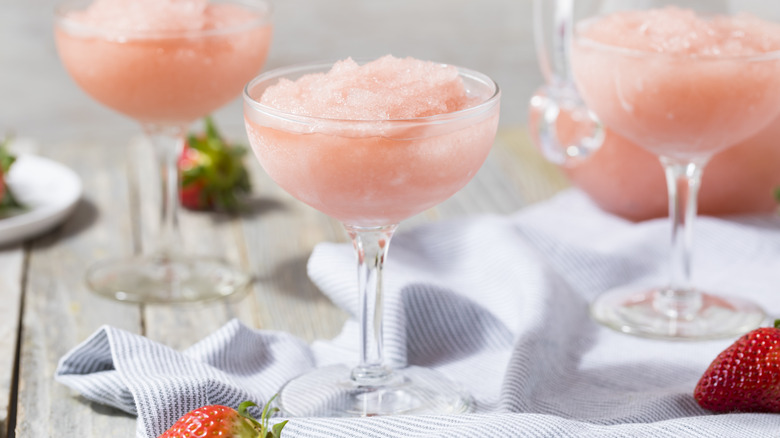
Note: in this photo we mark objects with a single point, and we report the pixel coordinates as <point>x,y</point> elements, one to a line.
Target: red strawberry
<point>222,421</point>
<point>193,196</point>
<point>746,376</point>
<point>214,420</point>
<point>212,172</point>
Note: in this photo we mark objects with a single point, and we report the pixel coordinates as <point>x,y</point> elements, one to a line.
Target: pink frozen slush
<point>163,61</point>
<point>372,144</point>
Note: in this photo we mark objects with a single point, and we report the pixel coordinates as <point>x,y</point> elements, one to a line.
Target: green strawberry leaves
<point>275,431</point>
<point>8,203</point>
<point>6,159</point>
<point>212,171</point>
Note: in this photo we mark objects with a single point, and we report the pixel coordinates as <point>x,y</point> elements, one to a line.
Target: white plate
<point>47,189</point>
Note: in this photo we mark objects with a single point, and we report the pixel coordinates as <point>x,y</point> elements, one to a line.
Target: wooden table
<point>47,309</point>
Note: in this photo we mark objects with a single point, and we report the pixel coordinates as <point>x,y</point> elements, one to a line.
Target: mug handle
<point>561,125</point>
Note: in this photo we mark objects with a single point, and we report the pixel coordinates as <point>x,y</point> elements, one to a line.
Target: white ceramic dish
<point>49,190</point>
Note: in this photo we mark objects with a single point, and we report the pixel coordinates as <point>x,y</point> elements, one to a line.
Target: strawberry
<point>212,172</point>
<point>222,421</point>
<point>746,376</point>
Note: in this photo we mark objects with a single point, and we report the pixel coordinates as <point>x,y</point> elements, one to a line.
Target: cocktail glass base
<point>165,279</point>
<point>330,392</point>
<point>640,314</point>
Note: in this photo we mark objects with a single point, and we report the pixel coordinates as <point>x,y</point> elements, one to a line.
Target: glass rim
<point>637,53</point>
<point>61,20</point>
<point>324,66</point>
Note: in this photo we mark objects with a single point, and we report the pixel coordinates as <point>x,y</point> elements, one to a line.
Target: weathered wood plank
<point>11,283</point>
<point>278,234</point>
<point>203,233</point>
<point>279,242</point>
<point>59,311</point>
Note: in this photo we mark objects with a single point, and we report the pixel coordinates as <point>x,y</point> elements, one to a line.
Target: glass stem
<point>371,246</point>
<point>683,178</point>
<point>168,142</point>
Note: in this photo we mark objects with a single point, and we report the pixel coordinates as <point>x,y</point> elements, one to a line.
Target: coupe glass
<point>684,108</point>
<point>165,80</point>
<point>370,175</point>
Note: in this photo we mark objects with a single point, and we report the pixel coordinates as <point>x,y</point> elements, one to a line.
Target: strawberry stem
<point>211,128</point>
<point>777,323</point>
<point>268,411</point>
<point>242,411</point>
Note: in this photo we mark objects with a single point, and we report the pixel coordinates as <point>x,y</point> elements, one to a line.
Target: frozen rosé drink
<point>165,64</point>
<point>676,83</point>
<point>163,61</point>
<point>376,143</point>
<point>371,145</point>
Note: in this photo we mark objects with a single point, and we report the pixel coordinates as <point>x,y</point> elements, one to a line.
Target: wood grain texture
<point>59,312</point>
<point>11,284</point>
<point>208,234</point>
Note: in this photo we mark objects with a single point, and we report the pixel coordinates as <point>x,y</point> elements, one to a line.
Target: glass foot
<point>165,279</point>
<point>329,392</point>
<point>640,314</point>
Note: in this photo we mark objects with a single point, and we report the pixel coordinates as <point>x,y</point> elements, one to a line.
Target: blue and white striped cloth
<point>496,303</point>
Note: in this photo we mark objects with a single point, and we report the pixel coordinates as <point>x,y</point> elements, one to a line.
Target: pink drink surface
<point>677,84</point>
<point>354,167</point>
<point>163,61</point>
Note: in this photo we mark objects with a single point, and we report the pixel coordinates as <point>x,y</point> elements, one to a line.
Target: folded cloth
<point>496,303</point>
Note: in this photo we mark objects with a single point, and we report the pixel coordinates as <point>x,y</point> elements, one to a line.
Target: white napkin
<point>498,304</point>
